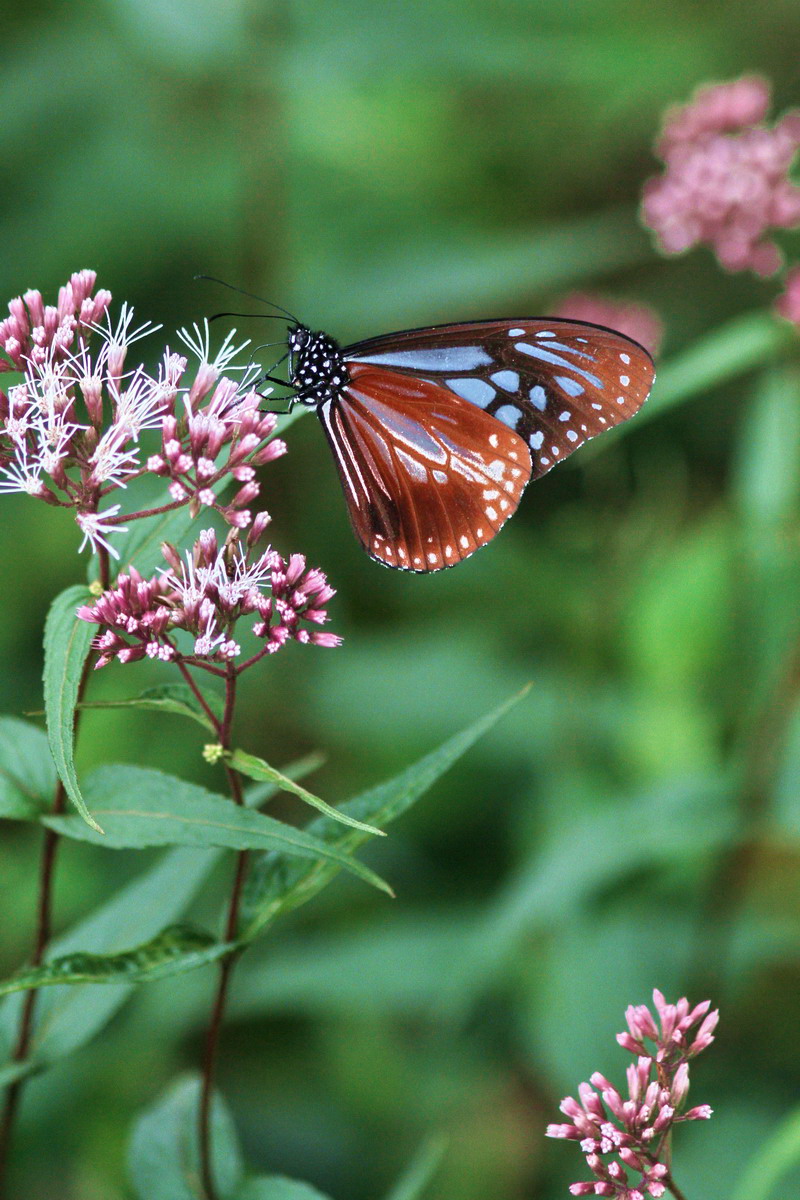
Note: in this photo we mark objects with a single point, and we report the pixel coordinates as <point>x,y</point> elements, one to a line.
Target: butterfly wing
<point>555,383</point>
<point>428,477</point>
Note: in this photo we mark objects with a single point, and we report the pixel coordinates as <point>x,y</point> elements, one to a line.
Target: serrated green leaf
<point>256,768</point>
<point>274,885</point>
<point>141,807</point>
<point>27,772</point>
<point>67,642</point>
<point>278,1187</point>
<point>176,698</point>
<point>163,1157</point>
<point>67,1017</point>
<point>176,949</point>
<point>414,1182</point>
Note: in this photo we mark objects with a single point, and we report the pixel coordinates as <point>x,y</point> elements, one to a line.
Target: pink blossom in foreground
<point>788,304</point>
<point>625,1135</point>
<point>33,329</point>
<point>206,594</point>
<point>634,319</point>
<point>725,182</point>
<point>71,429</point>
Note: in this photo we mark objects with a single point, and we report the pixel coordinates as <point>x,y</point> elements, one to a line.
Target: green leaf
<point>274,885</point>
<point>256,768</point>
<point>278,1187</point>
<point>163,1157</point>
<point>177,948</point>
<point>414,1182</point>
<point>27,773</point>
<point>141,807</point>
<point>741,344</point>
<point>771,1164</point>
<point>67,642</point>
<point>177,698</point>
<point>68,1017</point>
<point>767,479</point>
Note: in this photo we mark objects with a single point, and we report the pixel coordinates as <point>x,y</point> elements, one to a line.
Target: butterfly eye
<point>299,338</point>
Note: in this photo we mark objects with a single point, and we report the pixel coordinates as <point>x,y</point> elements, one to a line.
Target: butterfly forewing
<point>428,476</point>
<point>555,383</point>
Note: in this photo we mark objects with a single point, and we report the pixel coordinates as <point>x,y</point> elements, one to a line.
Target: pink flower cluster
<point>726,181</point>
<point>70,429</point>
<point>33,330</point>
<point>620,1136</point>
<point>218,414</point>
<point>206,595</point>
<point>636,320</point>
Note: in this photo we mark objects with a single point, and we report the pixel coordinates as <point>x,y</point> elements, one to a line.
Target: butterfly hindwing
<point>428,476</point>
<point>556,383</point>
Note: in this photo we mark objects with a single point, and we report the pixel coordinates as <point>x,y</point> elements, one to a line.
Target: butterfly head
<point>316,367</point>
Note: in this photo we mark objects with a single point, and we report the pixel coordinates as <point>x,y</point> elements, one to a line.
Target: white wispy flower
<point>140,406</point>
<point>199,343</point>
<point>23,474</point>
<point>94,527</point>
<point>111,463</point>
<point>120,336</point>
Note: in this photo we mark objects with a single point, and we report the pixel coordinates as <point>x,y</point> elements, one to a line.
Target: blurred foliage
<point>635,822</point>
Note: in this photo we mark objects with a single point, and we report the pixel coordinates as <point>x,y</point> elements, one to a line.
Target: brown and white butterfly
<point>435,432</point>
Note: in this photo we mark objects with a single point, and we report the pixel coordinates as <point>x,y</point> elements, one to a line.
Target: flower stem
<point>44,922</point>
<point>673,1187</point>
<point>226,966</point>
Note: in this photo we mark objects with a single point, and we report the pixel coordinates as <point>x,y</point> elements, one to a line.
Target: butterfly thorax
<point>317,366</point>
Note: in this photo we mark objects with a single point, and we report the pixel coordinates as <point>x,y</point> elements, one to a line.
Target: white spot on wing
<point>572,435</point>
<point>570,386</point>
<point>516,332</point>
<point>507,380</point>
<point>477,391</point>
<point>536,439</point>
<point>624,380</point>
<point>626,358</point>
<point>538,397</point>
<point>434,358</point>
<point>509,414</point>
<point>565,416</point>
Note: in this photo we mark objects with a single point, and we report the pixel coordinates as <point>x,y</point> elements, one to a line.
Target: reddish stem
<point>44,923</point>
<point>187,675</point>
<point>226,967</point>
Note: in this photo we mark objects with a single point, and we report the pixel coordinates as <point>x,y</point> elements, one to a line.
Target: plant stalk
<point>44,924</point>
<point>211,1055</point>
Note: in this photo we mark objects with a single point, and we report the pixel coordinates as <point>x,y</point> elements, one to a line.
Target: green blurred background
<point>634,822</point>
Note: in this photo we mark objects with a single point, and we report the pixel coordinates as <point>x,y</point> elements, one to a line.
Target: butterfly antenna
<point>242,292</point>
<point>260,316</point>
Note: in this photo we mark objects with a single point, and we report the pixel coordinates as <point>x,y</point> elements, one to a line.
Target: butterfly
<point>435,432</point>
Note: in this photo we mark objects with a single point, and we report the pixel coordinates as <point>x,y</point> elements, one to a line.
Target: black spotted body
<point>317,366</point>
